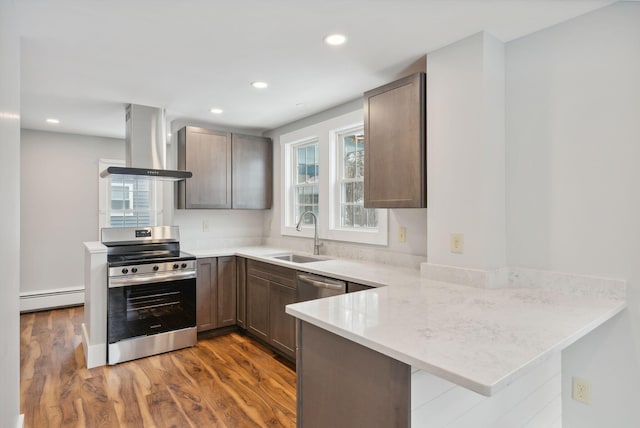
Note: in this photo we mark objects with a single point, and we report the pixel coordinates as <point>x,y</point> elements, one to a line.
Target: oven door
<point>148,308</point>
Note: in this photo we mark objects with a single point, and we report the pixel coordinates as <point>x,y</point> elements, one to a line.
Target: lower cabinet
<point>352,287</point>
<point>216,293</point>
<point>258,306</point>
<point>241,291</point>
<point>282,325</point>
<point>269,289</point>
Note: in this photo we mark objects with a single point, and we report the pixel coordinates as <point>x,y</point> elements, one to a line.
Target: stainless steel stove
<point>151,292</point>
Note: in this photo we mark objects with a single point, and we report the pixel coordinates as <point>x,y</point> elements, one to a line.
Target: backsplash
<point>349,251</point>
<point>581,285</point>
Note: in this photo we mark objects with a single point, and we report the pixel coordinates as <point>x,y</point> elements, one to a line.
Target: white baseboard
<point>95,354</point>
<point>21,421</point>
<point>53,298</point>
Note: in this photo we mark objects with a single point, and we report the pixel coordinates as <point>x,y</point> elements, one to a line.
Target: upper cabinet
<point>395,174</point>
<point>207,154</point>
<point>229,170</point>
<point>252,167</point>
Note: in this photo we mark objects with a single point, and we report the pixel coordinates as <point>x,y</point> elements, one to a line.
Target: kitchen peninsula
<point>428,352</point>
<point>434,353</point>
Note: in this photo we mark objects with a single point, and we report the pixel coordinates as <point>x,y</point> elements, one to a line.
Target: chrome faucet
<point>316,243</point>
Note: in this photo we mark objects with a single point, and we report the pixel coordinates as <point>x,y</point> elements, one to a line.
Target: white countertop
<point>481,339</point>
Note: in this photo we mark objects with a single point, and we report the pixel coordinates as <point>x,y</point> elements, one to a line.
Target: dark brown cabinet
<point>269,289</point>
<point>215,293</point>
<point>282,325</point>
<point>252,167</point>
<point>226,291</point>
<point>207,154</point>
<point>241,291</point>
<point>395,144</point>
<point>258,306</point>
<point>352,287</point>
<point>229,170</point>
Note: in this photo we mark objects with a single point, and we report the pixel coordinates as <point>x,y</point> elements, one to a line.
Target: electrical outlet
<point>205,225</point>
<point>456,243</point>
<point>402,234</point>
<point>581,390</point>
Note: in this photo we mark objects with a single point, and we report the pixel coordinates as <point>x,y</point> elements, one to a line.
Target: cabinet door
<point>207,154</point>
<point>206,294</point>
<point>252,172</point>
<point>282,325</point>
<point>226,291</point>
<point>258,306</point>
<point>352,287</point>
<point>395,144</point>
<point>241,291</point>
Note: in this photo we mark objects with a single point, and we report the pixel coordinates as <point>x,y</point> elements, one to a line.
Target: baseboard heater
<point>49,299</point>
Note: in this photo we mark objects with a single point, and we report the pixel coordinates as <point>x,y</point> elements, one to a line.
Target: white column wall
<point>10,224</point>
<point>465,119</point>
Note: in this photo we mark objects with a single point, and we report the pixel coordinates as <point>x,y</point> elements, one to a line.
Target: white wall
<point>9,226</point>
<point>409,253</point>
<point>466,171</point>
<point>59,205</point>
<point>573,186</point>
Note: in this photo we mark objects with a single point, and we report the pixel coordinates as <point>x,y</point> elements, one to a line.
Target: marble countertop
<point>372,274</point>
<point>481,339</point>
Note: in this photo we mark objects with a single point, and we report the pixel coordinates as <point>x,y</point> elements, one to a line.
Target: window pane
<point>358,217</point>
<point>302,164</point>
<point>130,204</point>
<point>347,216</point>
<point>358,192</point>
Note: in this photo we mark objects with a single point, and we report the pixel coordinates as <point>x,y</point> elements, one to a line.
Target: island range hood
<point>146,148</point>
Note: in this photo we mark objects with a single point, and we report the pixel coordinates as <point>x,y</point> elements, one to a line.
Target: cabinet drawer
<point>279,274</point>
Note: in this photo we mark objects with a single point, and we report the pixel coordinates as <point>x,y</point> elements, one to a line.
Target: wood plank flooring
<point>227,381</point>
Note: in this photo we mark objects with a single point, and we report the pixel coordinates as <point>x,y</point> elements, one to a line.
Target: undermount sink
<point>297,258</point>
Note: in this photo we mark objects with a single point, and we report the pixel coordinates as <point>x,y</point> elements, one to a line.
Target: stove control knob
<point>184,265</point>
<point>176,265</point>
<point>155,267</point>
<point>125,271</point>
<point>134,270</point>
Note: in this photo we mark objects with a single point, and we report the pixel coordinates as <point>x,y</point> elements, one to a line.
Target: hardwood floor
<point>226,381</point>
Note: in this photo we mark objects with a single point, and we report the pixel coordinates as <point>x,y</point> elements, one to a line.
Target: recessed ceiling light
<point>53,121</point>
<point>216,110</point>
<point>335,39</point>
<point>259,84</point>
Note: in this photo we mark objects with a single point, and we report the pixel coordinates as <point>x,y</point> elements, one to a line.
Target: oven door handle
<point>150,279</point>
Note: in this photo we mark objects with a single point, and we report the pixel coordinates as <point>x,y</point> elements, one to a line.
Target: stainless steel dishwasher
<point>312,286</point>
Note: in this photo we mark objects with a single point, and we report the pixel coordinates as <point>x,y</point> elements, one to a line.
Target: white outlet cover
<point>581,390</point>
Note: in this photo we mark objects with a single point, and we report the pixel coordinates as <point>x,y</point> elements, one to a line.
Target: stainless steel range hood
<point>146,148</point>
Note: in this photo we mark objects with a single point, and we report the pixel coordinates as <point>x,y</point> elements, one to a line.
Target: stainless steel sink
<point>297,258</point>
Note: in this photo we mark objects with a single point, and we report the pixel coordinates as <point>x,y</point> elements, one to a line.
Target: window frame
<point>294,182</point>
<point>374,236</point>
<point>289,170</point>
<point>323,132</point>
<point>104,197</point>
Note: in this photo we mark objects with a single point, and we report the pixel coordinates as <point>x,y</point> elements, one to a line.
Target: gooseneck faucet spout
<point>316,243</point>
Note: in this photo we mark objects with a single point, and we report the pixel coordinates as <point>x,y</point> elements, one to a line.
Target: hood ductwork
<point>146,148</point>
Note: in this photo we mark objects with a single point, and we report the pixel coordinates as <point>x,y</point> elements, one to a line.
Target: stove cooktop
<point>116,260</point>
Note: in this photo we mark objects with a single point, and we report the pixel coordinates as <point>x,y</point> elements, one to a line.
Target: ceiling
<point>82,61</point>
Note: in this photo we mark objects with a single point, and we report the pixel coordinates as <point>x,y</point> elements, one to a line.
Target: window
<point>323,172</point>
<point>351,212</point>
<point>305,189</point>
<point>126,202</point>
<point>130,202</point>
